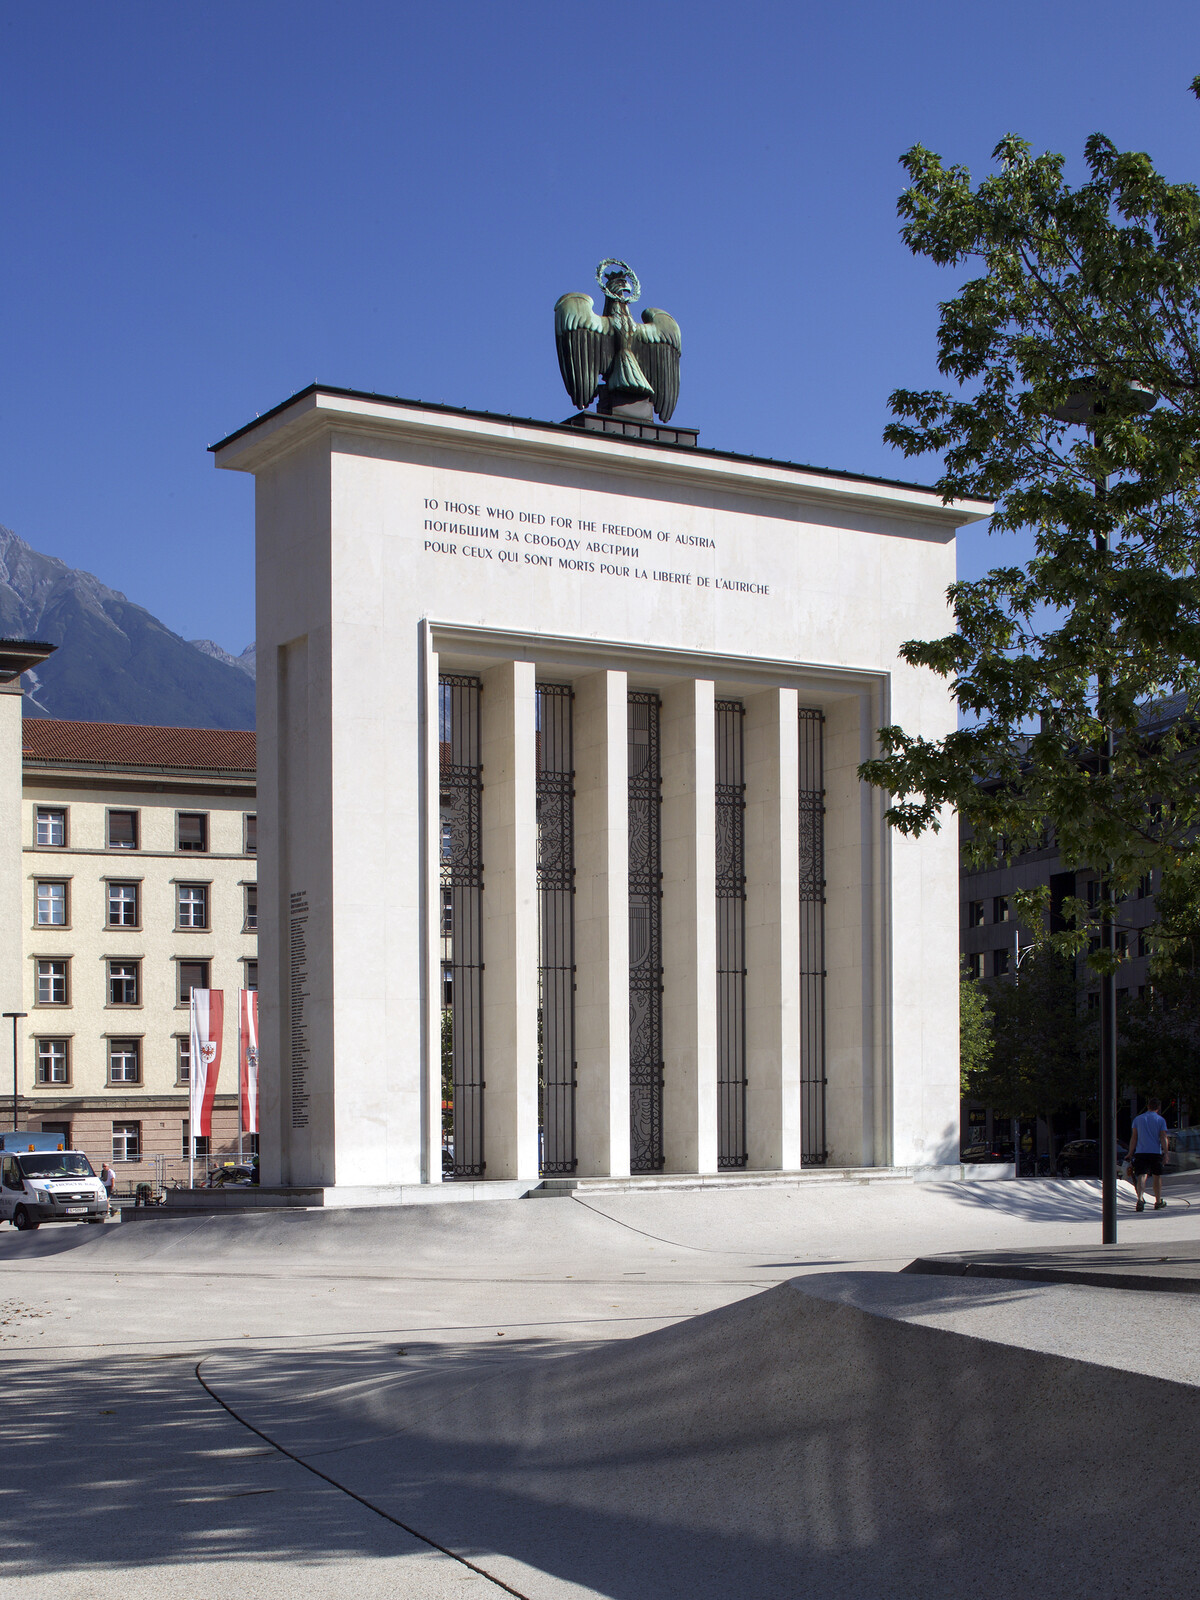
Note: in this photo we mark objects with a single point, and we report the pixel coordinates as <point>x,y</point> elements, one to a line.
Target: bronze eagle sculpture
<point>639,362</point>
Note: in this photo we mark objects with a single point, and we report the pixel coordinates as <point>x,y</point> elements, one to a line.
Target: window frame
<point>65,885</point>
<point>1001,908</point>
<point>123,883</point>
<point>50,1039</point>
<point>250,831</point>
<point>51,1005</point>
<point>125,1157</point>
<point>62,811</point>
<point>976,913</point>
<point>249,918</point>
<point>123,811</point>
<point>190,961</point>
<point>247,963</point>
<point>205,889</point>
<point>204,1139</point>
<point>122,961</point>
<point>201,849</point>
<point>111,1043</point>
<point>183,1054</point>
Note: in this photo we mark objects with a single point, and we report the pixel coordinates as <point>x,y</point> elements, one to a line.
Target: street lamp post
<point>16,1017</point>
<point>1085,404</point>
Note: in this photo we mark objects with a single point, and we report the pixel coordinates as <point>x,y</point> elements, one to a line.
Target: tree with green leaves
<point>1098,282</point>
<point>975,1043</point>
<point>1042,1056</point>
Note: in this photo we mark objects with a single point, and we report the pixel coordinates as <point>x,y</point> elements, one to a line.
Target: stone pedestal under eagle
<point>639,361</point>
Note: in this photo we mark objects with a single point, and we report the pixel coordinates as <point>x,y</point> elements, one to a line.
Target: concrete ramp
<point>789,1444</point>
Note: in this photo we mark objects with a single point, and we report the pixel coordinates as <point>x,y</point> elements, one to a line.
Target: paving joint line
<point>361,1499</point>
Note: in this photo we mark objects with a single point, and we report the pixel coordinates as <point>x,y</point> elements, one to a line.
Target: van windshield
<point>57,1164</point>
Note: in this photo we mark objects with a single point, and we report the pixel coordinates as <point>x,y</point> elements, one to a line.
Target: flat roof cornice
<point>321,408</point>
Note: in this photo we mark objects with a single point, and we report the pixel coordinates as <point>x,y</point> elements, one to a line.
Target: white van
<point>50,1186</point>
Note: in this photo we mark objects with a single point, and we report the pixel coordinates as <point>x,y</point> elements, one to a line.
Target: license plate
<point>76,1211</point>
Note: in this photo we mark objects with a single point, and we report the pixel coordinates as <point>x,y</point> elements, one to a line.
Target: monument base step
<point>642,1182</point>
<point>260,1197</point>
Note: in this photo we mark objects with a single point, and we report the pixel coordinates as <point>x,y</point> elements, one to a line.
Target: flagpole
<point>241,1051</point>
<point>192,1090</point>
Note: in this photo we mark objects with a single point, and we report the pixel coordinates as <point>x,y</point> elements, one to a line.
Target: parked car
<point>1080,1158</point>
<point>1183,1150</point>
<point>231,1177</point>
<point>987,1152</point>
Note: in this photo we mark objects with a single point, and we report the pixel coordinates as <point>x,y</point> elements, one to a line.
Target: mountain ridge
<point>115,661</point>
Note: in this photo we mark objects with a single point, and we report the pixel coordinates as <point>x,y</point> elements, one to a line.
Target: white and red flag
<point>248,1059</point>
<point>208,1025</point>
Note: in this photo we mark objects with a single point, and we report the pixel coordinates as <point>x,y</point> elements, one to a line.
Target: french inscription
<point>298,954</point>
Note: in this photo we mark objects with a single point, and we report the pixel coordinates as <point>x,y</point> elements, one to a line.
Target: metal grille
<point>462,925</point>
<point>556,926</point>
<point>645,936</point>
<point>731,935</point>
<point>812,939</point>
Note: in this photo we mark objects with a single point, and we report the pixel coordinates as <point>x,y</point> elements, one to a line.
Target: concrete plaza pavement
<point>693,1394</point>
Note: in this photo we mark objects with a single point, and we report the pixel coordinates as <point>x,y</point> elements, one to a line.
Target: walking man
<point>1147,1147</point>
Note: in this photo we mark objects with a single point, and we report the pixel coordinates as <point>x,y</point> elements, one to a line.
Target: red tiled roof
<point>121,744</point>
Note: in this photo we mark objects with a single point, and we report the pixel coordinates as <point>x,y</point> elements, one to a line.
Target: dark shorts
<point>1148,1166</point>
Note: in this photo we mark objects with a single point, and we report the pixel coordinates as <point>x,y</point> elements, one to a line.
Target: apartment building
<point>138,850</point>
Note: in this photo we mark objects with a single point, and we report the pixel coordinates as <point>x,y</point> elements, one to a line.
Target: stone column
<point>688,731</point>
<point>858,1096</point>
<point>772,931</point>
<point>510,924</point>
<point>602,925</point>
<point>430,833</point>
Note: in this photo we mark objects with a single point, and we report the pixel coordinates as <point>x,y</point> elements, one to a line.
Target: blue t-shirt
<point>1149,1128</point>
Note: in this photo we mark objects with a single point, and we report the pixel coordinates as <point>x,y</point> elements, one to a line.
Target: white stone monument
<point>544,720</point>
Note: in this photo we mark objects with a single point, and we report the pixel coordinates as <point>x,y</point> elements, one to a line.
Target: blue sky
<point>207,206</point>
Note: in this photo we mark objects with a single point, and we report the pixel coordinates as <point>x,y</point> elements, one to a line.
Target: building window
<point>250,826</point>
<point>193,905</point>
<point>192,975</point>
<point>251,923</point>
<point>999,963</point>
<point>122,830</point>
<point>51,905</point>
<point>203,1142</point>
<point>124,1061</point>
<point>251,971</point>
<point>1143,949</point>
<point>974,913</point>
<point>123,983</point>
<point>447,913</point>
<point>183,1058</point>
<point>127,1141</point>
<point>123,905</point>
<point>62,1129</point>
<point>1000,908</point>
<point>53,1061</point>
<point>192,830</point>
<point>1093,1000</point>
<point>974,965</point>
<point>249,1143</point>
<point>52,983</point>
<point>50,826</point>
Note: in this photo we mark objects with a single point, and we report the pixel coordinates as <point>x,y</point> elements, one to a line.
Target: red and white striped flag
<point>208,1025</point>
<point>248,1059</point>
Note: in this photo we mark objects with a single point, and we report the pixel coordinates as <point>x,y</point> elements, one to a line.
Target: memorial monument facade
<point>558,738</point>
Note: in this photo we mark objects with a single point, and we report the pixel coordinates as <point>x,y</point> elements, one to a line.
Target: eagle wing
<point>658,345</point>
<point>585,344</point>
